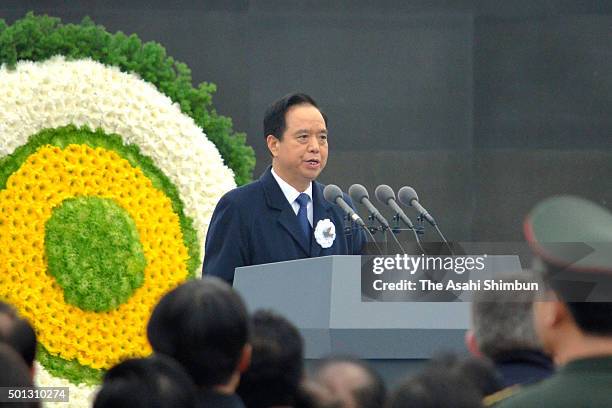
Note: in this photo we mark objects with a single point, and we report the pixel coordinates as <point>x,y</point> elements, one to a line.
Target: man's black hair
<point>157,382</point>
<point>436,388</point>
<point>203,324</point>
<point>17,333</point>
<point>481,372</point>
<point>274,118</point>
<point>276,369</point>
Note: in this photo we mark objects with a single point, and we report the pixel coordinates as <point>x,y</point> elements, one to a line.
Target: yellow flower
<point>45,180</point>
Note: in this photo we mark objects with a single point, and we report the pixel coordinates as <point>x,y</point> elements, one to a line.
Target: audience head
<point>14,373</point>
<point>352,381</point>
<point>448,381</point>
<point>277,361</point>
<point>17,333</point>
<point>155,382</point>
<point>204,325</point>
<point>436,387</point>
<point>480,372</point>
<point>312,394</point>
<point>502,321</point>
<point>572,240</point>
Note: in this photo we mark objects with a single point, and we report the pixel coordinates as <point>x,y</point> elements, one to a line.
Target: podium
<point>322,297</point>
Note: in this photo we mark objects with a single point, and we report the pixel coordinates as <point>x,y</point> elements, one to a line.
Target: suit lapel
<point>287,219</point>
<point>320,212</point>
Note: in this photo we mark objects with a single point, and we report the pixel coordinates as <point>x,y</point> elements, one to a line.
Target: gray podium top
<point>322,296</point>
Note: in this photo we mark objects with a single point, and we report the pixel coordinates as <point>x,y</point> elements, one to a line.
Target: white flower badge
<point>325,233</point>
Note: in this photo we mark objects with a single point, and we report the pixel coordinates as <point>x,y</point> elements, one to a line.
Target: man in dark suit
<point>283,215</point>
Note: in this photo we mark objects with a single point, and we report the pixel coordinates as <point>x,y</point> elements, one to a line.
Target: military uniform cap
<point>571,232</point>
<point>573,237</point>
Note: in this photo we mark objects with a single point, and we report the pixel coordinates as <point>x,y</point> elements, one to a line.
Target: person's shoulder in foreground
<point>575,330</point>
<point>581,383</point>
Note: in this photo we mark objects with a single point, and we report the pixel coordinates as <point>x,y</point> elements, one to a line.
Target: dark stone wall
<point>484,107</point>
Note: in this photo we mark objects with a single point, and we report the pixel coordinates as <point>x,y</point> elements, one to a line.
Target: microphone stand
<point>421,221</point>
<point>348,231</point>
<point>420,225</point>
<point>416,231</point>
<point>374,229</point>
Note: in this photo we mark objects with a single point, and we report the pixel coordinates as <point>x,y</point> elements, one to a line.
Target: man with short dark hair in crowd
<point>18,333</point>
<point>157,381</point>
<point>573,239</point>
<point>479,371</point>
<point>502,330</point>
<point>204,325</point>
<point>442,384</point>
<point>277,363</point>
<point>352,381</point>
<point>283,215</point>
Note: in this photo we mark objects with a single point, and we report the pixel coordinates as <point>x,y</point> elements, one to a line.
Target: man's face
<point>301,154</point>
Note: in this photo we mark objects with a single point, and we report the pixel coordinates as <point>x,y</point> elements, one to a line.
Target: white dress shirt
<point>291,194</point>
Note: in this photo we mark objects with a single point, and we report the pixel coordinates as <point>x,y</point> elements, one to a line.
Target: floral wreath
<point>107,187</point>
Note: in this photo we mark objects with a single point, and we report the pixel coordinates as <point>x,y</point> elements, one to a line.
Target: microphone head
<point>406,195</point>
<point>384,193</point>
<point>331,192</point>
<point>358,193</point>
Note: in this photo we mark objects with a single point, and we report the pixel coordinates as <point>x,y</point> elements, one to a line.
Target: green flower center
<point>94,252</point>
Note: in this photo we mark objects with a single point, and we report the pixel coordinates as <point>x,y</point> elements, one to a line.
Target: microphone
<point>385,195</point>
<point>408,197</point>
<point>333,194</point>
<point>359,194</point>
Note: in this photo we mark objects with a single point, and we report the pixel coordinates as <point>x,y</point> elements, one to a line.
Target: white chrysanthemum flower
<point>78,396</point>
<point>57,92</point>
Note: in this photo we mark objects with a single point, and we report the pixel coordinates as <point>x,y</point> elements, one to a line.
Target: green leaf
<point>69,369</point>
